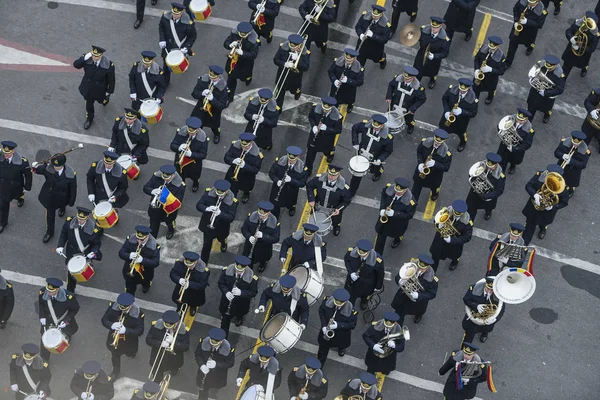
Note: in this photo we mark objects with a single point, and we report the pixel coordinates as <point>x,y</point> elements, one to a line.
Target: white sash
<point>109,192</point>
<point>29,379</point>
<point>52,313</point>
<point>147,85</point>
<point>78,238</point>
<point>127,138</point>
<point>319,260</point>
<point>270,386</point>
<point>293,305</point>
<point>174,33</point>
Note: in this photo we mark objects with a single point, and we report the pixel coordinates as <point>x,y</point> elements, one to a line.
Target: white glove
<point>211,208</point>
<point>575,47</point>
<point>252,239</point>
<point>237,161</point>
<point>485,69</point>
<point>188,153</point>
<point>14,388</point>
<point>259,234</point>
<point>115,326</point>
<point>476,73</point>
<point>381,213</point>
<point>303,396</point>
<point>523,21</point>
<point>318,8</point>
<point>122,330</point>
<point>261,308</point>
<point>87,56</point>
<point>302,326</point>
<point>112,199</point>
<point>337,83</point>
<point>254,117</point>
<point>91,198</point>
<point>541,92</point>
<point>377,348</point>
<point>182,281</point>
<point>282,259</point>
<point>86,396</point>
<point>377,161</point>
<point>414,295</point>
<point>391,344</point>
<point>261,119</point>
<point>447,115</point>
<point>260,8</point>
<point>537,198</point>
<point>34,164</point>
<point>139,259</point>
<point>279,183</point>
<point>566,157</point>
<point>354,276</point>
<point>162,45</point>
<point>242,163</point>
<point>165,344</point>
<point>389,213</point>
<point>156,191</point>
<point>211,364</point>
<point>323,127</point>
<point>60,251</point>
<point>184,50</point>
<point>324,330</point>
<point>549,208</point>
<point>239,51</point>
<point>594,114</point>
<point>465,380</point>
<point>233,44</point>
<point>420,167</point>
<point>205,92</point>
<point>430,163</point>
<point>43,321</point>
<point>229,296</point>
<point>239,381</point>
<point>236,291</point>
<point>308,17</point>
<point>447,239</point>
<point>490,321</point>
<point>516,24</point>
<point>182,147</point>
<point>210,96</point>
<point>111,149</point>
<point>480,308</point>
<point>369,33</point>
<point>91,255</point>
<point>362,37</point>
<point>294,56</point>
<point>287,179</point>
<point>344,79</point>
<point>306,264</point>
<point>457,111</point>
<point>315,129</point>
<point>205,370</point>
<point>430,56</point>
<point>288,64</point>
<point>333,326</point>
<point>62,324</point>
<point>133,96</point>
<point>573,40</point>
<point>509,148</point>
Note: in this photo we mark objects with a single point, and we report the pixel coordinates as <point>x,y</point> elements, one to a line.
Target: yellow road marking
<point>487,18</point>
<point>381,3</point>
<point>429,209</point>
<point>380,379</point>
<point>216,246</point>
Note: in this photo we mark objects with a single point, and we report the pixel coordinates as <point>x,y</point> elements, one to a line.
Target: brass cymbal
<point>410,34</point>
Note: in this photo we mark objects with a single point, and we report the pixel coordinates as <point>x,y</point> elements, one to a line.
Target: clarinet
<point>201,387</point>
<point>255,238</point>
<point>228,312</point>
<point>314,139</point>
<point>283,183</point>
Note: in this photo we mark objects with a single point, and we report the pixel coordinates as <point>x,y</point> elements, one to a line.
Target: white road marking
<point>10,55</point>
<point>124,388</point>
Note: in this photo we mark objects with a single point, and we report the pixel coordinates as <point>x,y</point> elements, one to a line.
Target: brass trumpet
<point>238,167</point>
<point>132,264</point>
<point>213,216</point>
<point>206,102</point>
<point>116,334</point>
<point>187,147</point>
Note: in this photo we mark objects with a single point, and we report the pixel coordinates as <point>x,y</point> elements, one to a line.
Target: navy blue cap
<point>351,52</point>
<point>130,113</point>
<point>412,71</point>
<point>469,347</point>
<point>125,299</point>
<point>294,150</point>
<point>551,59</point>
<point>310,227</point>
<point>265,93</point>
<point>217,334</point>
<point>97,50</point>
<point>59,160</point>
<point>592,15</point>
<point>442,134</point>
<point>329,100</point>
<point>425,259</point>
<point>151,387</point>
<point>334,168</point>
<point>222,185</point>
<point>54,282</point>
<point>244,27</point>
<point>312,362</point>
<point>517,226</point>
<point>555,168</point>
<point>459,206</point>
<point>191,255</point>
<point>242,260</point>
<point>178,6</point>
<point>437,20</point>
<point>266,351</point>
<point>341,295</point>
<point>379,118</point>
<point>8,145</point>
<point>391,316</point>
<point>247,136</point>
<point>522,113</point>
<point>402,182</point>
<point>465,82</point>
<point>148,55</point>
<point>168,169</point>
<point>496,40</point>
<point>110,155</point>
<point>170,316</point>
<point>493,157</point>
<point>91,367</point>
<point>364,245</point>
<point>193,123</point>
<point>216,69</point>
<point>83,210</point>
<point>287,281</point>
<point>367,378</point>
<point>377,7</point>
<point>143,229</point>
<point>294,38</point>
<point>30,348</point>
<point>578,135</point>
<point>265,205</point>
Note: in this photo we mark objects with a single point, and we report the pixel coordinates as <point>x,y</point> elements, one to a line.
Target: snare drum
<point>55,341</point>
<point>177,61</point>
<point>254,392</point>
<point>126,161</point>
<point>151,112</point>
<point>358,165</point>
<point>201,9</point>
<point>322,220</point>
<point>281,333</point>
<point>105,214</point>
<point>35,397</point>
<point>80,268</point>
<point>395,122</point>
<point>310,281</point>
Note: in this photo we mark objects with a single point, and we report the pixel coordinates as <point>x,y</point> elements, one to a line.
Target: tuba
<point>387,351</point>
<point>478,178</point>
<point>581,37</point>
<point>553,185</point>
<point>444,224</point>
<point>507,131</point>
<point>595,123</point>
<point>539,80</point>
<point>514,285</point>
<point>408,274</point>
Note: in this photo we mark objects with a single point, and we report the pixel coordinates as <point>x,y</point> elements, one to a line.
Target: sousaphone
<point>514,285</point>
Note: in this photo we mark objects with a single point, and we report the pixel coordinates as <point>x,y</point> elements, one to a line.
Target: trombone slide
<point>184,287</point>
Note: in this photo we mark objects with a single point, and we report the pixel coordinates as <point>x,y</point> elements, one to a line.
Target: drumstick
<point>313,213</point>
<point>339,209</point>
<point>62,254</point>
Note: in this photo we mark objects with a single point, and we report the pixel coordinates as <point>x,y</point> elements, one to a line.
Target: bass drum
<point>322,220</point>
<point>281,332</point>
<point>310,281</point>
<point>254,392</point>
<point>35,397</point>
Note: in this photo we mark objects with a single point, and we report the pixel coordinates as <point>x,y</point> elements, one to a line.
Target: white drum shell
<point>125,161</point>
<point>281,333</point>
<point>358,165</point>
<point>103,208</point>
<point>318,218</point>
<point>310,281</point>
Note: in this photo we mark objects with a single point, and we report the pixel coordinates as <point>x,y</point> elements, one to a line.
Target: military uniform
<point>410,7</point>
<point>592,105</point>
<point>328,125</point>
<point>469,388</point>
<point>353,388</point>
<point>211,116</point>
<point>146,81</point>
<point>293,82</point>
<point>102,386</point>
<point>433,180</point>
<point>346,318</point>
<point>265,23</point>
<point>535,21</point>
<point>224,358</point>
<point>318,33</point>
<point>578,161</point>
<point>259,375</point>
<point>134,139</point>
<point>354,74</point>
<point>183,39</point>
<point>515,155</point>
<point>493,58</point>
<point>246,177</point>
<point>373,47</point>
<point>459,17</point>
<point>176,187</point>
<point>545,102</point>
<point>487,201</point>
<point>569,58</point>
<point>403,208</point>
<point>409,97</point>
<point>404,304</point>
<point>38,371</point>
<point>190,167</point>
<point>116,183</point>
<point>557,5</point>
<point>316,388</point>
<point>497,264</point>
<point>262,250</point>
<point>15,177</point>
<point>7,301</point>
<point>144,271</point>
<point>329,197</point>
<point>374,334</point>
<point>264,131</point>
<point>468,103</point>
<point>441,250</point>
<point>474,297</point>
<point>237,308</point>
<point>370,271</point>
<point>303,251</point>
<point>194,295</point>
<point>294,304</point>
<point>240,66</point>
<point>439,46</point>
<point>288,192</point>
<point>171,362</point>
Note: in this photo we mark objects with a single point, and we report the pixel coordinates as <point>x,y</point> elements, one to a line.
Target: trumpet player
<point>212,94</point>
<point>326,124</point>
<point>106,180</point>
<point>168,333</point>
<point>238,286</point>
<point>218,206</point>
<point>346,75</point>
<point>150,391</point>
<point>332,193</point>
<point>583,39</point>
<point>460,106</point>
<point>286,297</point>
<point>471,369</point>
<point>263,17</point>
<point>492,181</point>
<point>317,15</point>
<point>243,44</point>
<point>365,270</point>
<point>451,234</point>
<point>338,319</point>
<point>529,17</point>
<point>244,159</point>
<point>190,277</point>
<point>292,59</point>
<point>484,305</point>
<point>263,369</point>
<point>304,244</point>
<point>146,81</point>
<point>433,160</point>
<point>130,136</point>
<point>16,179</point>
<point>489,65</point>
<point>29,373</point>
<point>141,255</point>
<point>573,154</point>
<point>261,231</point>
<point>190,146</point>
<point>364,387</point>
<point>546,197</point>
<point>7,301</point>
<point>459,17</point>
<point>406,93</point>
<point>308,381</point>
<point>176,31</point>
<point>516,255</point>
<point>91,382</point>
<point>125,323</point>
<point>591,124</point>
<point>396,209</point>
<point>371,139</point>
<point>214,356</point>
<point>262,114</point>
<point>373,30</point>
<point>288,174</point>
<point>513,152</point>
<point>434,46</point>
<point>540,99</point>
<point>408,301</point>
<point>384,339</point>
<point>167,188</point>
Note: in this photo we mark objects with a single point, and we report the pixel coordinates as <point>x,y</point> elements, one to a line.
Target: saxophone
<point>481,76</point>
<point>519,27</point>
<point>426,169</point>
<point>452,118</point>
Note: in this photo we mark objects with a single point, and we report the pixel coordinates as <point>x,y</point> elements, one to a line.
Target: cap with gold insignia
<point>464,83</point>
<point>214,71</point>
<point>391,316</point>
<point>376,9</point>
<point>551,60</point>
<point>191,256</point>
<point>167,170</point>
<point>30,350</point>
<point>469,348</point>
<point>367,378</point>
<point>247,137</point>
<point>410,71</point>
<point>97,51</point>
<point>177,8</point>
<point>364,245</point>
<point>489,280</point>
<point>334,169</point>
<point>459,206</point>
<point>350,53</point>
<point>242,260</point>
<point>341,295</point>
<point>293,151</point>
<point>266,351</point>
<point>142,231</point>
<point>523,114</point>
<point>312,362</point>
<point>222,185</point>
<point>83,212</point>
<point>8,146</point>
<point>440,135</point>
<point>287,281</point>
<point>555,168</point>
<point>193,123</point>
<point>379,119</point>
<point>328,100</point>
<point>494,41</point>
<point>265,205</point>
<point>130,113</point>
<point>401,183</point>
<point>493,158</point>
<point>53,283</point>
<point>244,28</point>
<point>265,93</point>
<point>148,56</point>
<point>578,135</point>
<point>59,160</point>
<point>436,21</point>
<point>294,38</point>
<point>110,157</point>
<point>125,299</point>
<point>424,260</point>
<point>170,317</point>
<point>516,228</point>
<point>217,334</point>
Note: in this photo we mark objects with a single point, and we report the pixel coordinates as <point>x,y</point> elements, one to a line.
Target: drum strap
<point>174,32</point>
<point>293,305</point>
<point>78,239</point>
<point>319,260</point>
<point>128,139</point>
<point>28,377</point>
<point>109,192</point>
<point>270,387</point>
<point>147,85</point>
<point>52,313</point>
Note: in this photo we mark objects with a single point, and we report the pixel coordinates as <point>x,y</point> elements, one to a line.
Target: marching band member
<point>365,272</point>
<point>80,236</point>
<point>529,17</point>
<point>364,387</point>
<point>130,136</point>
<point>434,46</point>
<point>212,94</point>
<point>396,209</point>
<point>346,75</point>
<point>244,159</point>
<point>29,373</point>
<point>410,7</point>
<point>574,154</point>
<point>262,114</point>
<point>190,276</point>
<point>263,369</point>
<point>141,254</point>
<point>416,302</point>
<point>190,146</point>
<point>372,140</point>
<point>318,23</point>
<point>471,369</point>
<point>176,31</point>
<point>263,17</point>
<point>98,81</point>
<point>450,245</point>
<point>406,93</point>
<point>308,381</point>
<point>304,244</point>
<point>498,260</point>
<point>373,30</point>
<point>146,81</point>
<point>379,337</point>
<point>107,181</point>
<point>15,178</point>
<point>91,382</point>
<point>459,17</point>
<point>543,100</point>
<point>338,319</point>
<point>125,323</point>
<point>461,103</point>
<point>591,125</point>
<point>490,62</point>
<point>214,356</point>
<point>59,189</point>
<point>332,193</point>
<point>513,155</point>
<point>326,124</point>
<point>433,160</point>
<point>534,211</point>
<point>483,303</point>
<point>286,297</point>
<point>292,63</point>
<point>243,44</point>
<point>218,206</point>
<point>288,174</point>
<point>238,286</point>
<point>149,391</point>
<point>579,50</point>
<point>162,334</point>
<point>167,188</point>
<point>57,308</point>
<point>487,199</point>
<point>557,5</point>
<point>7,301</point>
<point>261,230</point>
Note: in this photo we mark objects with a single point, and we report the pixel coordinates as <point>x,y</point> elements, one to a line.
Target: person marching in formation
<point>15,178</point>
<point>244,159</point>
<point>365,270</point>
<point>190,146</point>
<point>406,93</point>
<point>459,17</point>
<point>166,187</point>
<point>130,136</point>
<point>373,30</point>
<point>149,391</point>
<point>498,260</point>
<point>460,107</point>
<point>91,382</point>
<point>529,17</point>
<point>471,369</point>
<point>263,17</point>
<point>288,174</point>
<point>346,75</point>
<point>59,189</point>
<point>384,339</point>
<point>261,231</point>
<point>214,356</point>
<point>317,15</point>
<point>141,254</point>
<point>190,277</point>
<point>238,286</point>
<point>583,39</point>
<point>107,181</point>
<point>484,310</point>
<point>308,381</point>
<point>396,209</point>
<point>292,59</point>
<point>262,114</point>
<point>433,160</point>
<point>176,31</point>
<point>330,192</point>
<point>164,334</point>
<point>306,245</point>
<point>7,301</point>
<point>550,74</point>
<point>364,387</point>
<point>326,124</point>
<point>29,373</point>
<point>486,187</point>
<point>243,44</point>
<point>98,81</point>
<point>125,323</point>
<point>338,319</point>
<point>286,297</point>
<point>557,5</point>
<point>451,235</point>
<point>512,148</point>
<point>263,369</point>
<point>434,46</point>
<point>212,94</point>
<point>489,65</point>
<point>591,124</point>
<point>408,301</point>
<point>573,155</point>
<point>146,81</point>
<point>410,7</point>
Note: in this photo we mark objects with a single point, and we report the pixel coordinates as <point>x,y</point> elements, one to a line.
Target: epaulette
<point>224,268</point>
<point>346,187</point>
<point>135,64</point>
<point>389,25</point>
<point>365,121</point>
<point>422,26</point>
<point>232,349</point>
<point>15,356</point>
<point>390,136</point>
<point>255,277</point>
<point>277,108</point>
<point>124,171</point>
<point>544,12</point>
<point>306,168</point>
<point>476,100</point>
<point>157,248</point>
<point>537,173</point>
<point>235,200</point>
<point>303,294</point>
<point>314,104</point>
<point>160,72</point>
<point>207,190</point>
<point>70,296</point>
<point>279,223</point>
<point>363,13</point>
<point>424,139</point>
<point>205,269</point>
<point>374,323</point>
<point>9,285</point>
<point>178,259</point>
<point>295,369</point>
<point>110,303</point>
<point>142,315</point>
<point>412,202</point>
<point>24,159</point>
<point>261,155</point>
<point>362,69</point>
<point>127,237</point>
<point>350,248</point>
<point>42,291</point>
<point>388,185</point>
<point>319,175</point>
<point>379,259</point>
<point>251,98</point>
<point>69,218</point>
<point>588,151</point>
<point>349,380</point>
<point>164,12</point>
<point>471,222</point>
<point>153,323</point>
<point>447,39</point>
<point>593,89</point>
<point>143,130</point>
<point>448,154</point>
<point>276,158</point>
<point>335,59</point>
<point>502,175</point>
<point>421,88</point>
<point>482,366</point>
<point>94,164</point>
<point>272,284</point>
<point>324,380</point>
<point>323,244</point>
<point>136,390</point>
<point>200,341</point>
<point>499,236</point>
<point>449,86</point>
<point>531,131</point>
<point>191,22</point>
<point>325,297</point>
<point>258,41</point>
<point>112,64</point>
<point>563,139</point>
<point>453,354</point>
<point>118,119</point>
<point>562,75</point>
<point>233,141</point>
<point>45,365</point>
<point>470,287</point>
<point>354,312</point>
<point>280,44</point>
<point>109,378</point>
<point>435,278</point>
<point>74,172</point>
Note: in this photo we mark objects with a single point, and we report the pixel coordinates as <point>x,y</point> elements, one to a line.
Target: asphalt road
<point>544,348</point>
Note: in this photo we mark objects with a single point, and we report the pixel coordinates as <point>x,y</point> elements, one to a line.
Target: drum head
<point>124,161</point>
<point>103,208</point>
<point>198,5</point>
<point>254,392</point>
<point>149,108</point>
<point>175,57</point>
<point>301,273</point>
<point>52,338</point>
<point>359,163</point>
<point>76,264</point>
<point>318,219</point>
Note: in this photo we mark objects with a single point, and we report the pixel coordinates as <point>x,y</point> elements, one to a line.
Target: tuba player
<point>484,313</point>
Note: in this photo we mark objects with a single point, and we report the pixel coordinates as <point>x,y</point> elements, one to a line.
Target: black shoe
<point>145,289</point>
<point>434,196</point>
<point>330,159</point>
<point>383,64</point>
<point>483,337</point>
<point>431,84</point>
<point>529,51</point>
<point>20,202</point>
<point>507,65</point>
<point>170,235</point>
<point>87,123</point>
<point>1,228</point>
<point>511,169</point>
<point>239,321</point>
<point>489,100</point>
<point>410,129</point>
<point>546,118</point>
<point>248,82</point>
<point>453,265</point>
<point>376,177</point>
<point>350,108</point>
<point>363,304</point>
<point>396,242</point>
<point>245,197</point>
<point>571,193</point>
<point>270,38</point>
<point>556,11</point>
<point>487,216</point>
<point>297,95</point>
<point>542,233</point>
<point>153,2</point>
<point>461,147</point>
<point>217,139</point>
<point>468,36</point>
<point>324,48</point>
<point>292,211</point>
<point>223,247</point>
<point>193,311</point>
<point>137,24</point>
<point>341,352</point>
<point>195,186</point>
<point>114,375</point>
<point>262,266</point>
<point>336,230</point>
<point>418,318</point>
<point>61,212</point>
<point>47,238</point>
<point>2,324</point>
<point>583,72</point>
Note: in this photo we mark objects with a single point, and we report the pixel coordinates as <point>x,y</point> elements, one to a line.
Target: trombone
<point>284,74</point>
<point>88,389</point>
<point>187,147</point>
<point>261,111</point>
<point>213,216</point>
<point>206,102</point>
<point>160,354</point>
<point>132,264</point>
<point>116,334</point>
<point>185,286</point>
<point>314,16</point>
<point>164,386</point>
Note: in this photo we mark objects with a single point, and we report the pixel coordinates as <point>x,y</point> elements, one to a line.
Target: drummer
<point>57,309</point>
<point>164,208</point>
<point>146,81</point>
<point>304,244</point>
<point>242,44</point>
<point>26,368</point>
<point>259,362</point>
<point>286,297</point>
<point>372,140</point>
<point>130,136</point>
<point>190,145</point>
<point>325,121</point>
<point>406,93</point>
<point>213,97</point>
<point>80,236</point>
<point>91,382</point>
<point>107,181</point>
<point>332,194</point>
